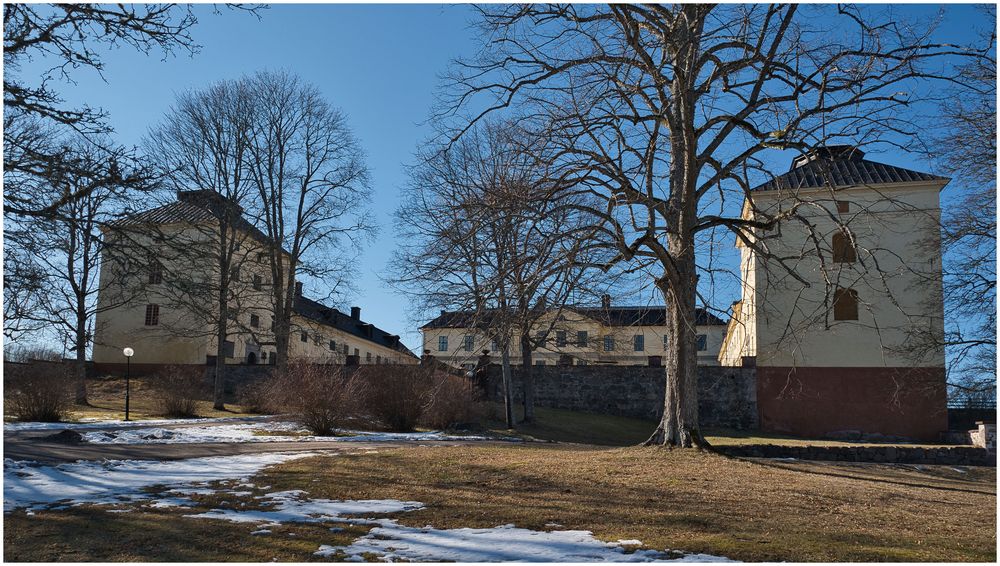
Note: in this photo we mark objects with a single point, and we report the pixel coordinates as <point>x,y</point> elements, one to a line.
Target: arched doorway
<point>252,358</point>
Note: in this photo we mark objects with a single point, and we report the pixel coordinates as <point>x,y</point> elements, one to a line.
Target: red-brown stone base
<point>815,401</point>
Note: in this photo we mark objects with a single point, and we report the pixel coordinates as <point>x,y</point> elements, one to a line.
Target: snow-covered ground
<point>271,431</point>
<point>392,542</point>
<point>114,481</point>
<point>123,484</point>
<point>91,423</point>
<point>227,430</point>
<point>294,507</point>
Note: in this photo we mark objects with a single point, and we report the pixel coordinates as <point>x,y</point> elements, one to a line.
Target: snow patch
<point>292,507</point>
<point>27,484</point>
<point>250,432</point>
<point>391,542</point>
<point>92,423</point>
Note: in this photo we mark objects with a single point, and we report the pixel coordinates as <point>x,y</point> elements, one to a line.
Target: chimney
<point>298,288</point>
<point>356,313</point>
<point>606,301</point>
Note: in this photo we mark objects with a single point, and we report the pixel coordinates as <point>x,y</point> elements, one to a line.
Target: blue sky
<point>379,63</point>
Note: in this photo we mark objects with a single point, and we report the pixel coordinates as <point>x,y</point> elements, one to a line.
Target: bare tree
<point>203,145</point>
<point>482,236</point>
<point>309,176</point>
<point>966,148</point>
<point>667,114</point>
<point>66,251</point>
<point>36,117</point>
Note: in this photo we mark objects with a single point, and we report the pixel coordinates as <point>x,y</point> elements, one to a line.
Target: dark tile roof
<point>612,316</point>
<point>841,166</point>
<point>329,316</point>
<point>194,206</point>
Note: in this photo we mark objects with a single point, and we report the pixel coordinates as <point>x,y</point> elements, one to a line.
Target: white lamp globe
<point>128,352</point>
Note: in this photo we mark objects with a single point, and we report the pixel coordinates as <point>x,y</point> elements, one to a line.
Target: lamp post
<point>128,367</point>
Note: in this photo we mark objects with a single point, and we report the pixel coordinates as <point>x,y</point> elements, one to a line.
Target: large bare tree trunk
<point>219,390</point>
<point>80,365</point>
<point>679,423</point>
<point>527,378</point>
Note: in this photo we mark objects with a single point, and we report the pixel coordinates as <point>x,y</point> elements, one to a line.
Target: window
<point>254,321</point>
<point>258,282</point>
<point>155,272</point>
<point>560,338</point>
<point>639,342</point>
<point>843,248</point>
<point>845,304</point>
<point>468,343</point>
<point>539,362</point>
<point>378,360</point>
<point>666,342</point>
<point>229,349</point>
<point>702,342</point>
<point>609,344</point>
<point>234,274</point>
<point>582,362</point>
<point>368,357</point>
<point>540,338</point>
<point>493,345</point>
<point>346,349</point>
<point>357,352</point>
<point>442,343</point>
<point>152,315</point>
<point>272,322</point>
<point>581,339</point>
<point>304,337</point>
<point>333,345</point>
<point>261,257</point>
<point>843,206</point>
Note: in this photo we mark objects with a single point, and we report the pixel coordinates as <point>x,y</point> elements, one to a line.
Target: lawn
<point>107,401</point>
<point>605,430</point>
<point>679,499</point>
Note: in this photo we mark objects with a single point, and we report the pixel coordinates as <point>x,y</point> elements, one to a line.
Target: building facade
<point>164,261</point>
<point>833,326</point>
<point>627,335</point>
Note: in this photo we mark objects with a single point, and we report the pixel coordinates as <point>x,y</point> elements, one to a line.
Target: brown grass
<point>679,499</point>
<point>107,401</point>
<point>682,499</point>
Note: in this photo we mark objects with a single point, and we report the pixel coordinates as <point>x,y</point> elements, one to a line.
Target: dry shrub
<point>321,397</point>
<point>455,403</point>
<point>177,390</point>
<point>259,397</point>
<point>37,392</point>
<point>395,395</point>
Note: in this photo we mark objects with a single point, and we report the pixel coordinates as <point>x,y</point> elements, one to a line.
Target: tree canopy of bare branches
<point>669,115</point>
<point>312,188</point>
<point>36,118</point>
<point>481,235</point>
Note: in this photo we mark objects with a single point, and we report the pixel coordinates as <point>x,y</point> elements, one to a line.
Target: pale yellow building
<point>168,319</point>
<point>627,335</point>
<point>833,341</point>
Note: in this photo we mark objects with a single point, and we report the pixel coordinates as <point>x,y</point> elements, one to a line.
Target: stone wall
<point>727,395</point>
<point>947,456</point>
